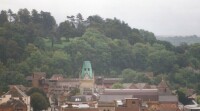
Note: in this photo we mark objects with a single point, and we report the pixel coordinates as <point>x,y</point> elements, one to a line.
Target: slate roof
<point>110,98</point>
<point>168,98</point>
<point>130,91</point>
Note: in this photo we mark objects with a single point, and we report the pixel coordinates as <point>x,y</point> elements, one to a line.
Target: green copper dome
<point>86,70</point>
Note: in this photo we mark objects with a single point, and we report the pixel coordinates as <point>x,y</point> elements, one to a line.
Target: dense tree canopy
<point>32,41</point>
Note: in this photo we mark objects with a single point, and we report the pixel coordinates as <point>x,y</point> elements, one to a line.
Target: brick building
<point>15,98</point>
<point>13,105</point>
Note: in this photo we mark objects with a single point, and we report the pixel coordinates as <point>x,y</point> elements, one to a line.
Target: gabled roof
<point>133,86</point>
<point>162,84</point>
<point>140,86</point>
<point>20,87</point>
<point>12,102</point>
<point>16,92</point>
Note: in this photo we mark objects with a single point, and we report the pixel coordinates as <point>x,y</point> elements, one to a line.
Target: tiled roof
<point>163,84</point>
<point>12,102</point>
<point>133,86</point>
<point>20,87</point>
<point>15,92</point>
<point>142,86</point>
<point>168,107</point>
<point>158,106</point>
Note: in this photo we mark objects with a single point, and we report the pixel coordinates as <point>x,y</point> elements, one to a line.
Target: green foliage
<point>131,76</point>
<point>38,102</point>
<point>162,61</point>
<point>38,97</point>
<point>117,86</point>
<point>10,78</point>
<point>3,17</point>
<point>198,99</point>
<point>32,41</point>
<point>182,96</point>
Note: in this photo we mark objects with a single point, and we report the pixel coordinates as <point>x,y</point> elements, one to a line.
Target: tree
<point>198,99</point>
<point>129,75</point>
<point>24,16</point>
<point>148,36</point>
<point>79,17</point>
<point>182,96</point>
<point>10,15</point>
<point>162,61</point>
<point>117,86</point>
<point>38,102</point>
<point>36,18</point>
<point>48,23</point>
<point>3,17</point>
<point>66,29</point>
<point>40,91</point>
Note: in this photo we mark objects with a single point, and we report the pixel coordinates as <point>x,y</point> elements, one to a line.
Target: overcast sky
<point>162,17</point>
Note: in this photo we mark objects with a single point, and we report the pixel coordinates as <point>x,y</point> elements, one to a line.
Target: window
<point>133,102</point>
<point>85,69</point>
<point>77,99</point>
<point>88,69</point>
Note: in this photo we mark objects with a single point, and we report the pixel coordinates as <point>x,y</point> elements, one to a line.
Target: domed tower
<point>87,79</point>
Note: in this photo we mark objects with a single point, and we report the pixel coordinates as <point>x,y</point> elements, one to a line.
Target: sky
<point>162,17</point>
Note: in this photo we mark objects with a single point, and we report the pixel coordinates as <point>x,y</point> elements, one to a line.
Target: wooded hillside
<point>32,41</point>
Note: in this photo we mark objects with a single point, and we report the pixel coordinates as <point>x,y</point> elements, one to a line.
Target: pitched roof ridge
<point>20,92</point>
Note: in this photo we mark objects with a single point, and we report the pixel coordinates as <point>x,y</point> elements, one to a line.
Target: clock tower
<point>87,79</point>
